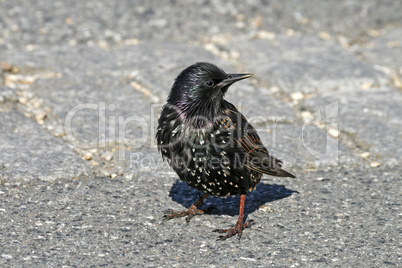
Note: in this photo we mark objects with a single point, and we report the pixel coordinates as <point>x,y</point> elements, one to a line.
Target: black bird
<point>209,143</point>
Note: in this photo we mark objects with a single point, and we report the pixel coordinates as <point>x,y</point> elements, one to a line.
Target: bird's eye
<point>210,83</point>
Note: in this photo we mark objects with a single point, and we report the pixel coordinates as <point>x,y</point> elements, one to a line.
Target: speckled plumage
<point>208,142</point>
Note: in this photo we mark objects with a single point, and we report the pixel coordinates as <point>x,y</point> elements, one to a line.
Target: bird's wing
<point>257,157</point>
<point>247,144</point>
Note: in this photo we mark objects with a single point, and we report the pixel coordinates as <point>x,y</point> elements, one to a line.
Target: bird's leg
<point>190,212</point>
<point>240,226</point>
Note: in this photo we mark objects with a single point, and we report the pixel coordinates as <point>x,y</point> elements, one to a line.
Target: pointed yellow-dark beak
<point>233,78</point>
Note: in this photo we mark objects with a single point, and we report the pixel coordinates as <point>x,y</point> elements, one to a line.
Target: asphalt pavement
<point>81,87</point>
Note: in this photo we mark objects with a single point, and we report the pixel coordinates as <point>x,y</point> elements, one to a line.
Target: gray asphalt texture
<point>81,87</point>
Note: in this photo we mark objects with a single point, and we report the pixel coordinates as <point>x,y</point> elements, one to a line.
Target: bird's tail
<point>284,173</point>
<point>281,172</point>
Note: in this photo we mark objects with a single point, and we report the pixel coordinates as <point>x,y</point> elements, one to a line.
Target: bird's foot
<point>237,229</point>
<point>190,213</point>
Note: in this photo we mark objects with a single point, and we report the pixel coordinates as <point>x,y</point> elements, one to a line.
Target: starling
<point>209,143</point>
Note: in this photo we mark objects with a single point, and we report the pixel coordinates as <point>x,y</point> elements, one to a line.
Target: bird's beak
<point>232,78</point>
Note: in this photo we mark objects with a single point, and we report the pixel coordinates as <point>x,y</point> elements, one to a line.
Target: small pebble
<point>365,155</point>
<point>366,85</point>
<point>105,172</point>
<point>297,96</point>
<point>40,115</point>
<point>87,156</point>
<point>325,35</point>
<point>59,133</point>
<point>265,208</point>
<point>36,103</point>
<point>374,164</point>
<point>6,256</point>
<point>5,66</point>
<point>266,35</point>
<point>305,114</point>
<point>334,132</point>
<point>22,100</point>
<point>108,156</point>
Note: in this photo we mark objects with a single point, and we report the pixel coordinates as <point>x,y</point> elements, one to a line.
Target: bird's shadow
<point>264,193</point>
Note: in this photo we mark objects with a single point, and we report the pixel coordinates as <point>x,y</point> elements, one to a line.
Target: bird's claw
<point>237,229</point>
<point>190,213</point>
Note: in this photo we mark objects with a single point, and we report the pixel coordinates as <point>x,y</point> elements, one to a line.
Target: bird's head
<point>202,85</point>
